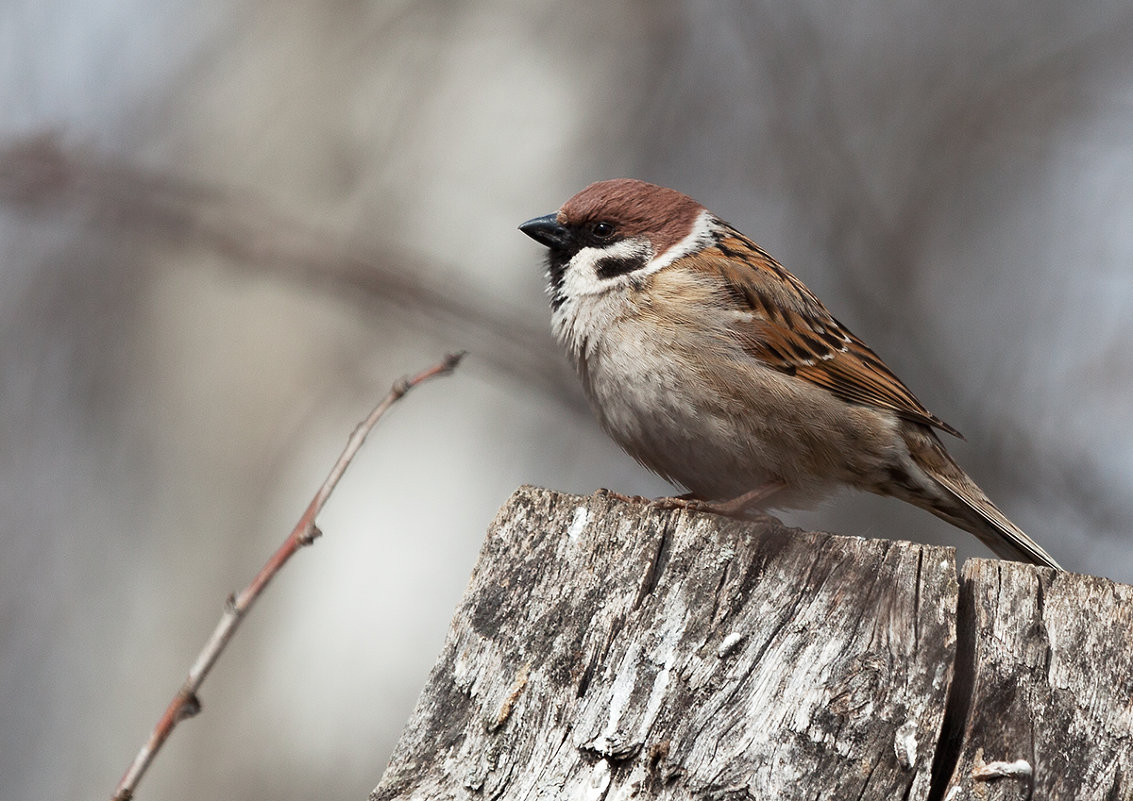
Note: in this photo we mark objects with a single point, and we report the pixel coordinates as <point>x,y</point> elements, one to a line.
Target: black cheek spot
<point>613,266</point>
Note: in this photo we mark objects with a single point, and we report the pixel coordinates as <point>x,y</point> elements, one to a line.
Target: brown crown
<point>635,208</point>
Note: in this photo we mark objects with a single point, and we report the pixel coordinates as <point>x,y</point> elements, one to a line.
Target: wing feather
<point>790,330</point>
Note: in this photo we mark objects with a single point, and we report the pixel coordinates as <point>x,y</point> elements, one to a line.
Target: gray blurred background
<point>226,227</point>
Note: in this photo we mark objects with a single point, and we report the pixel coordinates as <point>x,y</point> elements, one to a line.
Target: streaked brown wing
<point>793,332</point>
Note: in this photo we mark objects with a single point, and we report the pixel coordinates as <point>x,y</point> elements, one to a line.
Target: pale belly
<point>724,425</point>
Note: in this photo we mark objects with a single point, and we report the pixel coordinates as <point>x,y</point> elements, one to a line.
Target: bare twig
<point>185,703</point>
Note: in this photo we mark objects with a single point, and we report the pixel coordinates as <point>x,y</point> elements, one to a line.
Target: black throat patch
<point>557,261</point>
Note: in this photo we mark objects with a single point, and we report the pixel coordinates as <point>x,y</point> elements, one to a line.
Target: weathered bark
<point>609,650</point>
<point>1044,686</point>
<point>606,650</point>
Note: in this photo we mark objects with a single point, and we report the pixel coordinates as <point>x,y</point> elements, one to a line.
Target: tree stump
<point>610,650</point>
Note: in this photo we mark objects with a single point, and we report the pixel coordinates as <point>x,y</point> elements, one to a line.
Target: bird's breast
<point>699,411</point>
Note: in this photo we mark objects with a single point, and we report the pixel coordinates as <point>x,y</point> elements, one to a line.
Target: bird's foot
<point>740,506</point>
<point>617,496</point>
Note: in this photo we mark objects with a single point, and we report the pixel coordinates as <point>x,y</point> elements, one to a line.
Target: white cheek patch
<point>592,303</point>
<point>583,273</point>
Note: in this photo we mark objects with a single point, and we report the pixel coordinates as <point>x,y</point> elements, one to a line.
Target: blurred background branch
<point>235,197</point>
<point>37,175</point>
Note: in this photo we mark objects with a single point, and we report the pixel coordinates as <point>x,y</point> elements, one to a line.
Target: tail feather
<point>962,503</point>
<point>978,515</point>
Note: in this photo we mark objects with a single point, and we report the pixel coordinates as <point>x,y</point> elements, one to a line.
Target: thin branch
<point>185,703</point>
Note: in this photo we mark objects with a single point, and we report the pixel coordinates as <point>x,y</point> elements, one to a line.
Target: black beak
<point>547,231</point>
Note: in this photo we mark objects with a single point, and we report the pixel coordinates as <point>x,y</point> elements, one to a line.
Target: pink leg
<point>734,507</point>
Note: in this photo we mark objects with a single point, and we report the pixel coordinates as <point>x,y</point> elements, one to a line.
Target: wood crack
<point>660,559</point>
<point>948,745</point>
<point>1007,682</point>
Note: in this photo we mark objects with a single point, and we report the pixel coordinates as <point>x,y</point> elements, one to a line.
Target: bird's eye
<point>602,230</point>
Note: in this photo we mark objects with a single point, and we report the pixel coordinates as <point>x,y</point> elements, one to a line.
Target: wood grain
<point>606,650</point>
<point>1044,701</point>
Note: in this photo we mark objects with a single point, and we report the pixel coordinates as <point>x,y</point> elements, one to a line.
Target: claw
<point>617,496</point>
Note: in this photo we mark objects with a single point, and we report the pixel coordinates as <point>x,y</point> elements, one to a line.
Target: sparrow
<point>717,369</point>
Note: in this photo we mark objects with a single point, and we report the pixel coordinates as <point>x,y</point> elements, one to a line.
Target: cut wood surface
<point>1045,685</point>
<point>610,650</point>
